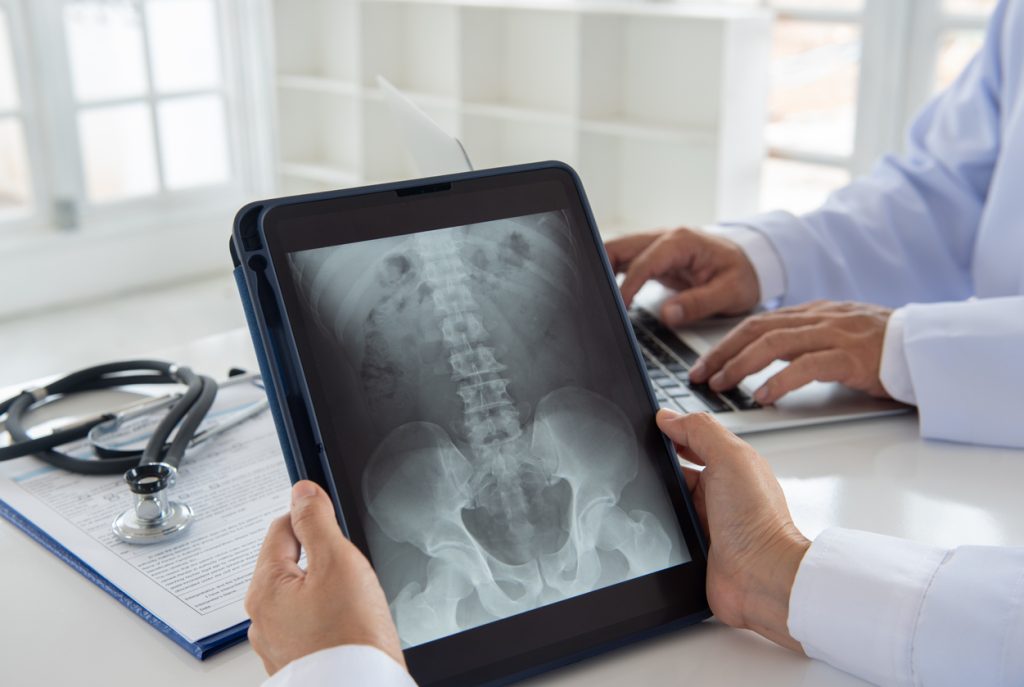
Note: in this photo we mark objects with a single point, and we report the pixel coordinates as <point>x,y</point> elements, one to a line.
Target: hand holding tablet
<point>736,496</point>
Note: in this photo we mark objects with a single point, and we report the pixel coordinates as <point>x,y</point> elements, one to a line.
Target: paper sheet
<point>236,484</point>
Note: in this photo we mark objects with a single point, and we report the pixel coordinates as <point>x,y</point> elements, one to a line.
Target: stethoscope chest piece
<point>153,518</point>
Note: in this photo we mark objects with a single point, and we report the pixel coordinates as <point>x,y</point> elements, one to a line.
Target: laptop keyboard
<point>668,362</point>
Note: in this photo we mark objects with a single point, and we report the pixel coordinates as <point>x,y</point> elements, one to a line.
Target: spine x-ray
<point>486,432</point>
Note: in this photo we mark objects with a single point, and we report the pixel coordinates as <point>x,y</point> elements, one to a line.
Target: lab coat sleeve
<point>904,232</point>
<point>966,364</point>
<point>771,275</point>
<point>895,612</point>
<point>894,370</point>
<point>340,666</point>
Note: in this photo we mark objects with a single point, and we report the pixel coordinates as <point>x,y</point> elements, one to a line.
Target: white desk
<point>57,628</point>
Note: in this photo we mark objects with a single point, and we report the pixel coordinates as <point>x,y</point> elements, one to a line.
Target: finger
<point>697,303</point>
<point>701,433</point>
<point>742,336</point>
<point>314,524</point>
<point>692,477</point>
<point>621,251</point>
<point>277,560</point>
<point>821,366</point>
<point>280,547</point>
<point>685,453</point>
<point>799,308</point>
<point>658,257</point>
<point>777,344</point>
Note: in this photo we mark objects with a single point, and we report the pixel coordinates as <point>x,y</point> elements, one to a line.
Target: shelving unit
<point>610,88</point>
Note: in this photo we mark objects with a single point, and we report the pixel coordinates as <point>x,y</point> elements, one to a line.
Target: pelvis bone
<point>509,528</point>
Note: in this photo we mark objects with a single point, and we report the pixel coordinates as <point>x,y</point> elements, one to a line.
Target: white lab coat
<point>939,233</point>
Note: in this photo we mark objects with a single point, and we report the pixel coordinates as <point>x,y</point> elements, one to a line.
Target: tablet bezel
<point>548,635</point>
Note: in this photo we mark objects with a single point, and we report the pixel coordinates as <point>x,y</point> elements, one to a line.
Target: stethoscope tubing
<point>188,412</point>
<point>103,449</point>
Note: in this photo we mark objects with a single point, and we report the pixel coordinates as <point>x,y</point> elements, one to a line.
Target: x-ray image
<point>495,455</point>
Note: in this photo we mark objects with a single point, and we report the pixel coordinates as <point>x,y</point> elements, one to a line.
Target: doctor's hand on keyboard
<point>824,341</point>
<point>712,275</point>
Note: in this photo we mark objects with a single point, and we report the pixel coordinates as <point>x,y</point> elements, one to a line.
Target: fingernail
<point>674,315</point>
<point>717,381</point>
<point>761,395</point>
<point>303,490</point>
<point>668,414</point>
<point>698,370</point>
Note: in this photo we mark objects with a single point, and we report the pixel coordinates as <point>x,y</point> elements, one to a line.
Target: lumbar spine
<point>491,422</point>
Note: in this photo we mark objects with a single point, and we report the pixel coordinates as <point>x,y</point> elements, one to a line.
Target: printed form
<point>235,483</point>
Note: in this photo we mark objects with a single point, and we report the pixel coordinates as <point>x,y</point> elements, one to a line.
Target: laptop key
<point>670,404</point>
<point>741,399</point>
<point>690,404</point>
<point>667,337</point>
<point>687,354</point>
<point>709,397</point>
<point>676,368</point>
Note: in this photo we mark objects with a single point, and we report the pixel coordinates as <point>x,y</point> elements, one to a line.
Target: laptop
<point>668,353</point>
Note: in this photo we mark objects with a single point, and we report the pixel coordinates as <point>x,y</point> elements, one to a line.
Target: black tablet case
<point>301,453</point>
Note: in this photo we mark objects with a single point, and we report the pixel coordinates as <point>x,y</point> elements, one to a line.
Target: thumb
<point>701,433</point>
<point>697,303</point>
<point>314,523</point>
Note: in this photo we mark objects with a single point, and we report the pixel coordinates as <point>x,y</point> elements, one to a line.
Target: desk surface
<point>876,475</point>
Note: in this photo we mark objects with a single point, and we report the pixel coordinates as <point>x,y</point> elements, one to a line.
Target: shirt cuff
<point>894,372</point>
<point>856,600</point>
<point>771,275</point>
<point>351,664</point>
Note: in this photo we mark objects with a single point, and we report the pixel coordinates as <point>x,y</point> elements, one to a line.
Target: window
<point>130,133</point>
<point>815,81</point>
<point>146,81</point>
<point>139,112</point>
<point>847,78</point>
<point>16,182</point>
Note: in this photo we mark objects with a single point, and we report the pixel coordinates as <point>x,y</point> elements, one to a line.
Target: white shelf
<point>313,37</point>
<point>633,95</point>
<point>317,84</point>
<point>493,141</point>
<point>320,128</point>
<point>646,182</point>
<point>422,99</point>
<point>518,57</point>
<point>334,177</point>
<point>414,45</point>
<point>632,129</point>
<point>525,114</point>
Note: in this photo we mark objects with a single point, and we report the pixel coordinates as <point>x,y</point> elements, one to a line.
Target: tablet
<point>451,360</point>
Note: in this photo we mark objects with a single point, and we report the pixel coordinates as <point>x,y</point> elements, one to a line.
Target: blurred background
<point>131,130</point>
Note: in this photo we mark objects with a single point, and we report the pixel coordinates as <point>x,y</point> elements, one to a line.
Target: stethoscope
<point>149,472</point>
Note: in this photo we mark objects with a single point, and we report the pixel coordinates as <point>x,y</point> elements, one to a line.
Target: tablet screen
<point>484,416</point>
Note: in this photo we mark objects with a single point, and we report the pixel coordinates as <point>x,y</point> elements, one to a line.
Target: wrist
<point>768,589</point>
<point>764,262</point>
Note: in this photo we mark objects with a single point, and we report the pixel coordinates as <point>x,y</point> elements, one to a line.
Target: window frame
<point>906,34</point>
<point>28,113</point>
<point>153,241</point>
<point>55,153</point>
